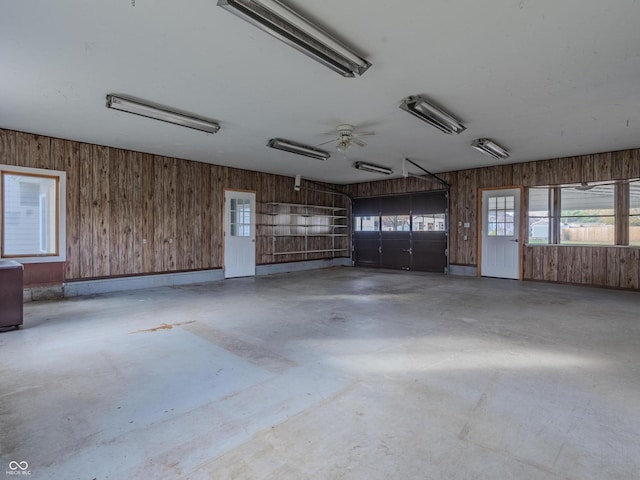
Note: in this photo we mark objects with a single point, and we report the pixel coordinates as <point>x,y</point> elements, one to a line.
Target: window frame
<point>61,217</point>
<point>621,214</point>
<point>630,215</point>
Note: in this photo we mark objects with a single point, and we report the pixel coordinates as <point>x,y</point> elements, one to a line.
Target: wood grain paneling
<point>607,266</point>
<point>8,147</point>
<point>101,213</point>
<point>124,207</point>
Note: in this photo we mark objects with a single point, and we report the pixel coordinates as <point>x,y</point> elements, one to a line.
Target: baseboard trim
<point>36,294</point>
<point>107,285</point>
<point>463,270</point>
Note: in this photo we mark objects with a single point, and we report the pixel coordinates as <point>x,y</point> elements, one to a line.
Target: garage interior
<point>417,256</point>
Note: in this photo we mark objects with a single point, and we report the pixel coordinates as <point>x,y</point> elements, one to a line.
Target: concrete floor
<point>335,374</point>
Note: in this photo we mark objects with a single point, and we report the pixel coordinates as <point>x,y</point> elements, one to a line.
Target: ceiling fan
<point>584,186</point>
<point>346,136</point>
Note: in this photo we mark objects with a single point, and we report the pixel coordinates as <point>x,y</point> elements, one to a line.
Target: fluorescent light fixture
<point>370,167</point>
<point>298,148</point>
<point>286,25</point>
<point>419,106</point>
<point>138,107</point>
<point>491,148</point>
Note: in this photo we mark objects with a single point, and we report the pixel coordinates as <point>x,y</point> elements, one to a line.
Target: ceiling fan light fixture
<point>343,146</point>
<point>370,167</point>
<point>298,148</point>
<point>491,148</point>
<point>157,112</point>
<point>419,106</point>
<point>288,26</point>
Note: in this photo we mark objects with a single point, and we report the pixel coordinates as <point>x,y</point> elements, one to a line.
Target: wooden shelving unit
<point>289,222</point>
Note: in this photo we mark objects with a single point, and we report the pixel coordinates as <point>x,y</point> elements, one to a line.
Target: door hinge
<point>446,252</point>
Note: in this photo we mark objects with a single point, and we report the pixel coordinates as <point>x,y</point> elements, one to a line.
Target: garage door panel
<point>406,231</point>
<point>395,248</point>
<point>429,252</point>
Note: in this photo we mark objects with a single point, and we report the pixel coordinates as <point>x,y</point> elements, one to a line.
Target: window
<point>501,216</point>
<point>395,223</point>
<point>587,215</point>
<point>366,224</point>
<point>634,213</point>
<point>539,221</point>
<point>432,222</point>
<point>240,217</point>
<point>33,216</point>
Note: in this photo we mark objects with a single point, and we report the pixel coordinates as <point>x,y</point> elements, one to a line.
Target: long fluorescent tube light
<point>491,148</point>
<point>157,112</point>
<point>370,167</point>
<point>298,148</point>
<point>419,106</point>
<point>286,25</point>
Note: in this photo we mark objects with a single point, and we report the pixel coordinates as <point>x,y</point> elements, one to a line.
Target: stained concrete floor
<point>335,374</point>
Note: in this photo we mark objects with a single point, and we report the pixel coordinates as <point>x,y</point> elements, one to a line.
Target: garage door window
<point>395,223</point>
<point>428,223</point>
<point>366,224</point>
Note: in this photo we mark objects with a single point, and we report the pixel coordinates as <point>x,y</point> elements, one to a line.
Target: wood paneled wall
<point>131,213</point>
<point>602,266</point>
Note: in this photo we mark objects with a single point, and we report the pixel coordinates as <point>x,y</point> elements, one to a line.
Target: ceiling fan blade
<point>363,134</point>
<point>358,142</point>
<point>324,143</point>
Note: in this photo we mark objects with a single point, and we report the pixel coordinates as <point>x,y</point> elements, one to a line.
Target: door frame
<point>521,226</point>
<point>224,224</point>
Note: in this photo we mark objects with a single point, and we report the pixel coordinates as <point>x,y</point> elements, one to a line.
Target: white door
<point>239,234</point>
<point>500,233</point>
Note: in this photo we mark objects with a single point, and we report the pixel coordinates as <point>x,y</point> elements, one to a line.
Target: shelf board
<point>297,214</point>
<point>312,251</point>
<point>302,226</point>
<point>300,205</point>
<point>307,235</point>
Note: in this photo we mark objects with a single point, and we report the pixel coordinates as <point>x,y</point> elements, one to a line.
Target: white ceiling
<point>544,78</point>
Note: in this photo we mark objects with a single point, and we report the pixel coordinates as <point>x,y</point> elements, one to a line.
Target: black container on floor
<point>10,293</point>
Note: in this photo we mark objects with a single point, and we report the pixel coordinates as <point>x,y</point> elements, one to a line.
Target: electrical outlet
<point>467,224</point>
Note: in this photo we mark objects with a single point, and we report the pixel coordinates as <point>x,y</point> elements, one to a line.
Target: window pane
<point>575,202</point>
<point>395,223</point>
<point>388,223</point>
<point>30,221</point>
<point>366,224</point>
<point>539,226</point>
<point>634,213</point>
<point>500,218</point>
<point>510,202</point>
<point>402,223</point>
<point>428,223</point>
<point>587,215</point>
